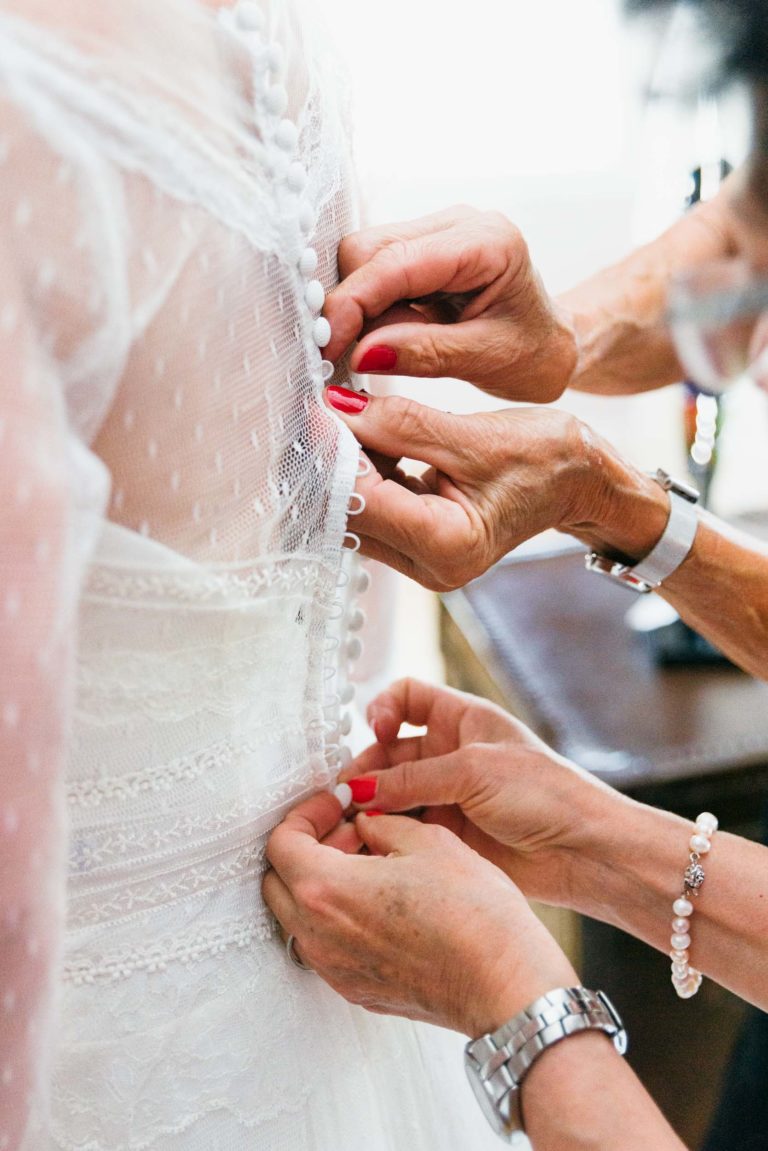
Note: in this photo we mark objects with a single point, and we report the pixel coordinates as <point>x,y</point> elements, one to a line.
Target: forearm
<point>580,1095</point>
<point>628,871</point>
<point>618,314</point>
<point>720,589</point>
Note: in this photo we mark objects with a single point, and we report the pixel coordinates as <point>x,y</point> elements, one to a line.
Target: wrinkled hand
<point>495,479</point>
<point>490,780</point>
<point>422,927</point>
<point>452,294</point>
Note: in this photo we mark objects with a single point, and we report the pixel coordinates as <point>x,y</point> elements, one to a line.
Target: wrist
<point>532,966</point>
<point>625,868</point>
<point>564,350</point>
<point>570,344</point>
<point>617,511</point>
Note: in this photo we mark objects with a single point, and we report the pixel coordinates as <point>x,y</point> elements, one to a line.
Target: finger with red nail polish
<point>363,790</point>
<point>346,401</point>
<point>380,358</point>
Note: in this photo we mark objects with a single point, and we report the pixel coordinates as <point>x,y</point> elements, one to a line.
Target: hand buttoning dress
<point>176,623</point>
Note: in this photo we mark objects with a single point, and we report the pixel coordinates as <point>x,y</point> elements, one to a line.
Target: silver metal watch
<point>675,543</point>
<point>497,1063</point>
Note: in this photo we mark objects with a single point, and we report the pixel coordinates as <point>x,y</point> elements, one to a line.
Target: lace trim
<point>156,956</point>
<point>175,156</point>
<point>202,586</point>
<point>130,687</point>
<point>92,850</point>
<point>158,777</point>
<point>297,1104</point>
<point>193,879</point>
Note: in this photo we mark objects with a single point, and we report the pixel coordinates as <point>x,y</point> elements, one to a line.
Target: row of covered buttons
<point>314,297</point>
<point>350,650</point>
<point>249,19</point>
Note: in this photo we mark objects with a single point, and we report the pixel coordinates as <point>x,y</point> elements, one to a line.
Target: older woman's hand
<point>494,480</point>
<point>490,780</point>
<point>421,927</point>
<point>452,294</point>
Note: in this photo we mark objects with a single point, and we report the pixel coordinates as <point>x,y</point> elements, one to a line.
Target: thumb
<point>395,834</point>
<point>395,426</point>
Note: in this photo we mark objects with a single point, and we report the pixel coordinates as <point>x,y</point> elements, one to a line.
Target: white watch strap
<point>675,543</point>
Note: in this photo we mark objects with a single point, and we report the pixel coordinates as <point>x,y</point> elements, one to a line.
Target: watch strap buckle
<point>614,570</point>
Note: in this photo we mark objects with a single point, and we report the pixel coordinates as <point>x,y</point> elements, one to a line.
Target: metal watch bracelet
<point>671,549</point>
<point>497,1063</point>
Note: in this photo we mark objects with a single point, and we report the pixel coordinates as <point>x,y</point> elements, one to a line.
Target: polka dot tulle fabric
<point>176,622</point>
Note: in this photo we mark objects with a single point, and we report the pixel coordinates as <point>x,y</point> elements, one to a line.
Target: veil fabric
<point>176,622</point>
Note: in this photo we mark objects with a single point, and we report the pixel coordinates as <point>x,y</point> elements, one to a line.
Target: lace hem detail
<point>156,956</point>
<point>265,1114</point>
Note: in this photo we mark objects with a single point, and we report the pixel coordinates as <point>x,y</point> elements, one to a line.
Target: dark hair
<point>738,27</point>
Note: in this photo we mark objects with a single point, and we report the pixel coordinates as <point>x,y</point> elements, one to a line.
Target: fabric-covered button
<point>308,262</point>
<point>346,723</point>
<point>356,620</point>
<point>248,16</point>
<point>347,693</point>
<point>354,648</point>
<point>277,99</point>
<point>278,162</point>
<point>307,218</point>
<point>321,332</point>
<point>363,582</point>
<point>297,177</point>
<point>314,295</point>
<point>345,756</point>
<point>287,136</point>
<point>276,58</point>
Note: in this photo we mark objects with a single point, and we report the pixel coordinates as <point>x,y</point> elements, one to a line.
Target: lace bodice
<point>176,624</point>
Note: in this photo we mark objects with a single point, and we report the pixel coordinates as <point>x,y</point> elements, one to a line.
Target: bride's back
<point>175,180</point>
<point>174,187</point>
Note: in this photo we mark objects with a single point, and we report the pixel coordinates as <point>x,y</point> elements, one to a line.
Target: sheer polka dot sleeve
<point>37,579</point>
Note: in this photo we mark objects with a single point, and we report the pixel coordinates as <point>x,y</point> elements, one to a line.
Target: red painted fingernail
<point>378,359</point>
<point>345,400</point>
<point>374,811</point>
<point>363,790</point>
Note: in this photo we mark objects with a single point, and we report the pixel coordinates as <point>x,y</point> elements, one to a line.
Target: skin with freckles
<point>484,490</point>
<point>482,313</point>
<point>350,914</point>
<point>431,923</point>
<point>456,294</point>
<point>492,480</point>
<point>472,269</point>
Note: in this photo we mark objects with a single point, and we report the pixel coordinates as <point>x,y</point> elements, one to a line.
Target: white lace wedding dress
<point>176,625</point>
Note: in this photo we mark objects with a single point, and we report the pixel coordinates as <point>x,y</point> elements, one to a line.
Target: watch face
<point>483,1098</point>
<point>505,1119</point>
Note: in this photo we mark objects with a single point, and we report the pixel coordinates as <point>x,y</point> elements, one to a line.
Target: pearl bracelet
<point>686,980</point>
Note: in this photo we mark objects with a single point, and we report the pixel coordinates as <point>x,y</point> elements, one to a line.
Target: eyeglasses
<point>718,317</point>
